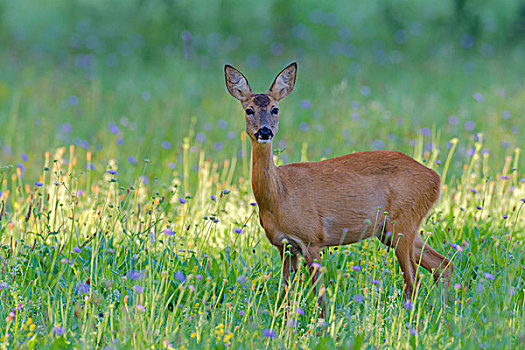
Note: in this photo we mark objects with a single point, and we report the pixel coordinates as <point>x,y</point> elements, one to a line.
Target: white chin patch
<point>264,141</point>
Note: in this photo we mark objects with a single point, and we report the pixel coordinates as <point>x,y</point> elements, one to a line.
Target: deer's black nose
<point>264,133</point>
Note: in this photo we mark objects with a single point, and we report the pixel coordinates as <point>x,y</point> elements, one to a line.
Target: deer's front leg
<point>290,265</point>
<point>313,260</point>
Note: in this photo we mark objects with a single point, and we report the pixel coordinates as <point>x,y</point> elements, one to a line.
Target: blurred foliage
<point>372,74</point>
<point>214,28</point>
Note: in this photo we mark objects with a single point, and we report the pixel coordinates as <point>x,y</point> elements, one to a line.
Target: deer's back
<point>342,193</point>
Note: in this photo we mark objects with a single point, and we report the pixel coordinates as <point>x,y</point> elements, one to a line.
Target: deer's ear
<point>284,82</point>
<point>237,84</point>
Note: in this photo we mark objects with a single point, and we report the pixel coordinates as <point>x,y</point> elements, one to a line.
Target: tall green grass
<point>94,261</point>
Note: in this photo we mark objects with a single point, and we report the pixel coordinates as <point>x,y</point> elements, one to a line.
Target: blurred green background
<point>130,79</point>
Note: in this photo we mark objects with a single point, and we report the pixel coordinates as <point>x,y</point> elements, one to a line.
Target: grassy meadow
<point>126,213</point>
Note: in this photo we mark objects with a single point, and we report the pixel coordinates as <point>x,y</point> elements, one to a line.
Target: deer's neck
<point>265,180</point>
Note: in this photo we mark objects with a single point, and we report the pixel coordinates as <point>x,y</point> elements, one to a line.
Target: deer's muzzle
<point>264,135</point>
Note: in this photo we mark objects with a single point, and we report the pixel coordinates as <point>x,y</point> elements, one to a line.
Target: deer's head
<point>261,110</point>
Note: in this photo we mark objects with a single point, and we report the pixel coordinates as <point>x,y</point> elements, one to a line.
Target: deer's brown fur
<point>337,201</point>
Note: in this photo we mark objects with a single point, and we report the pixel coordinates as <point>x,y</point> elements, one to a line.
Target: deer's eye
<point>250,111</point>
<point>275,111</point>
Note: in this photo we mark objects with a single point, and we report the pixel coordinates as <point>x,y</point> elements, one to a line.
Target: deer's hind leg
<point>402,240</point>
<point>439,266</point>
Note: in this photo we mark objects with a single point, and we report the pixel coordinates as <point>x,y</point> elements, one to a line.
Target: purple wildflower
<point>135,275</point>
<point>66,128</point>
<point>138,289</point>
<point>59,331</point>
<point>299,311</point>
<point>316,265</point>
<point>39,184</point>
<point>112,172</point>
<point>241,313</point>
<point>304,126</point>
<point>478,207</point>
<point>179,276</point>
<point>182,201</point>
<point>469,125</point>
<point>200,137</point>
<point>358,298</point>
<point>376,282</point>
<point>82,288</point>
<point>365,90</point>
<point>268,333</point>
<point>141,307</point>
<point>253,204</point>
<point>477,96</point>
<point>306,104</point>
<point>222,124</point>
<point>480,287</point>
<point>132,160</point>
<point>356,268</point>
<point>237,230</point>
<point>166,144</point>
<point>438,162</point>
<point>407,305</point>
<point>77,249</point>
<point>24,157</point>
<point>457,286</point>
<point>488,276</point>
<point>213,198</point>
<point>504,177</point>
<point>457,247</point>
<point>473,190</point>
<point>113,128</point>
<point>168,231</point>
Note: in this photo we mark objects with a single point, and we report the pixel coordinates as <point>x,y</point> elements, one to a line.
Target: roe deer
<point>304,207</point>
